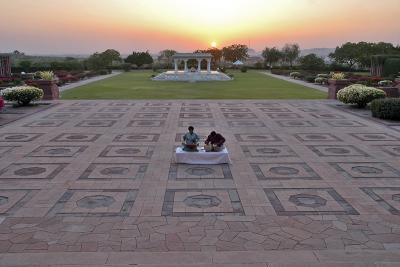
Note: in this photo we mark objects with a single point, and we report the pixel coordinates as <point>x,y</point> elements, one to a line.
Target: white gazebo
<point>185,57</point>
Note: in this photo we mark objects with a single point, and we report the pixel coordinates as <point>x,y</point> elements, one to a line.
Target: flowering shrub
<point>388,108</point>
<point>385,83</point>
<point>46,75</point>
<point>359,94</point>
<point>295,75</point>
<point>23,95</point>
<point>321,80</point>
<point>338,76</point>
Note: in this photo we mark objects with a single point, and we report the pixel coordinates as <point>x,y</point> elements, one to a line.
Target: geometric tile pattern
<point>337,151</point>
<point>257,138</point>
<point>19,137</point>
<point>13,199</point>
<point>194,172</point>
<point>308,201</point>
<point>57,151</point>
<point>392,150</point>
<point>344,123</point>
<point>112,171</point>
<point>387,197</point>
<point>201,202</point>
<point>146,123</point>
<point>19,171</point>
<point>142,137</point>
<point>96,123</point>
<point>270,151</point>
<point>284,171</point>
<point>366,170</point>
<point>375,137</point>
<point>296,123</point>
<point>137,152</point>
<point>45,123</point>
<point>315,137</point>
<point>76,137</point>
<point>5,149</point>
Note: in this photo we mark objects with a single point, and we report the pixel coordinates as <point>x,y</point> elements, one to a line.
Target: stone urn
<point>335,86</point>
<point>390,91</point>
<point>49,87</point>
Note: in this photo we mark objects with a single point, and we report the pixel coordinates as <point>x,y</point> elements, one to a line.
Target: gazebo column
<point>186,67</point>
<point>199,65</point>
<point>176,65</point>
<point>208,65</point>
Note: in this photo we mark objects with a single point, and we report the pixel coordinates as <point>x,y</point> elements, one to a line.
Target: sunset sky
<point>87,26</point>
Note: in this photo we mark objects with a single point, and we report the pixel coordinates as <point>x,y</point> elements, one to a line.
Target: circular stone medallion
<point>114,171</point>
<point>3,200</point>
<point>16,137</point>
<point>284,170</point>
<point>98,201</point>
<point>268,150</point>
<point>94,123</point>
<point>257,137</point>
<point>127,151</point>
<point>366,170</point>
<point>307,200</point>
<point>295,123</point>
<point>136,137</point>
<point>58,151</point>
<point>202,201</point>
<point>199,171</point>
<point>337,150</point>
<point>77,137</point>
<point>30,171</point>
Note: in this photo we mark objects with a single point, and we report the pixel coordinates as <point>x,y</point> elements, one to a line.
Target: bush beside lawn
<point>138,85</point>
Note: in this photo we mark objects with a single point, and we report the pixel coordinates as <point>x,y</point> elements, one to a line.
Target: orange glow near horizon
<point>46,26</point>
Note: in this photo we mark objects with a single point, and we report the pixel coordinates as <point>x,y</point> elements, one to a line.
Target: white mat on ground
<point>202,157</point>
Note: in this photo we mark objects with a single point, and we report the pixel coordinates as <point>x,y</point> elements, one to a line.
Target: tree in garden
<point>216,55</point>
<point>271,55</point>
<point>312,62</point>
<point>167,53</point>
<point>139,58</point>
<point>290,52</point>
<point>235,52</point>
<point>96,62</point>
<point>25,65</point>
<point>111,55</point>
<point>347,54</point>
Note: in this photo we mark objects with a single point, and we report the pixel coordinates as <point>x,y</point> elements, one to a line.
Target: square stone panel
<point>185,115</point>
<point>295,123</point>
<point>235,109</point>
<point>327,116</point>
<point>76,137</point>
<point>151,115</point>
<point>268,151</point>
<point>120,104</point>
<point>275,109</point>
<point>359,170</point>
<point>313,110</point>
<point>308,201</point>
<point>375,137</point>
<point>272,104</point>
<point>155,109</point>
<point>283,115</point>
<point>62,116</point>
<point>393,150</point>
<point>96,203</point>
<point>139,137</point>
<point>201,202</point>
<point>146,123</point>
<point>4,150</point>
<point>74,109</point>
<point>195,109</point>
<point>257,138</point>
<point>193,172</point>
<point>345,123</point>
<point>128,151</point>
<point>32,170</point>
<point>57,151</point>
<point>13,199</point>
<point>96,123</point>
<point>112,171</point>
<point>314,137</point>
<point>337,151</point>
<point>284,171</point>
<point>387,197</point>
<point>85,104</point>
<point>106,116</point>
<point>45,123</point>
<point>114,109</point>
<point>159,104</point>
<point>19,137</point>
<point>240,115</point>
<point>234,104</point>
<point>246,124</point>
<point>194,104</point>
<point>196,123</point>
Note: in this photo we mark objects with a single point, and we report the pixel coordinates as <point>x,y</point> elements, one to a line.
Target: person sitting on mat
<point>190,140</point>
<point>214,142</point>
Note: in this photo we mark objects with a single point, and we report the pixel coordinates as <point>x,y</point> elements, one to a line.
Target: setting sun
<point>213,44</point>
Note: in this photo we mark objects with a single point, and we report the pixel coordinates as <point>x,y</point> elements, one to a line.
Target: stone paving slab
<point>96,183</point>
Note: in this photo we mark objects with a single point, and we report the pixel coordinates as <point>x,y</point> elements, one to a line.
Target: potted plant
<point>390,89</point>
<point>336,82</point>
<point>48,83</point>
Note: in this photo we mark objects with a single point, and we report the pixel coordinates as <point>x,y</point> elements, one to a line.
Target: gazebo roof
<point>238,62</point>
<point>192,56</point>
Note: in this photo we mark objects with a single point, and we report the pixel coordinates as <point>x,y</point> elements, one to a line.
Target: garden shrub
<point>322,75</point>
<point>359,94</point>
<point>295,75</point>
<point>338,76</point>
<point>388,108</point>
<point>23,95</point>
<point>321,80</point>
<point>391,66</point>
<point>103,72</point>
<point>46,75</point>
<point>309,79</point>
<point>243,69</point>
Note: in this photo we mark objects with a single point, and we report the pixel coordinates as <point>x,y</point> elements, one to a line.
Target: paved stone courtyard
<point>94,183</point>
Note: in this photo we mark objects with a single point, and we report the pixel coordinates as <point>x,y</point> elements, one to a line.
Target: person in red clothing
<point>214,142</point>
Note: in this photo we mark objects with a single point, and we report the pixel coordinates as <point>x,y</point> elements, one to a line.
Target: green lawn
<point>137,85</point>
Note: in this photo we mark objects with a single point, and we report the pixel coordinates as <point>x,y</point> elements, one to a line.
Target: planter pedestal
<point>50,89</point>
<point>390,91</point>
<point>335,86</point>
